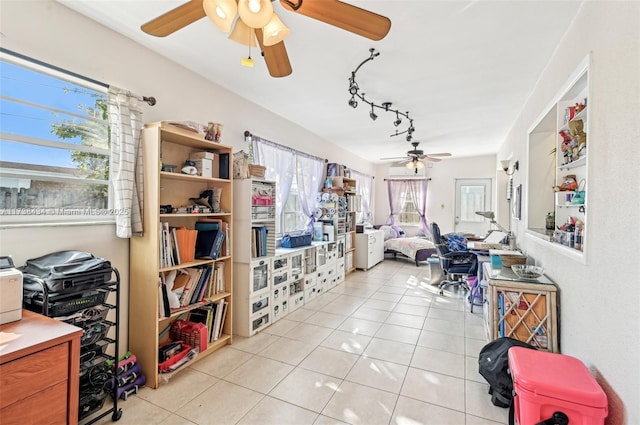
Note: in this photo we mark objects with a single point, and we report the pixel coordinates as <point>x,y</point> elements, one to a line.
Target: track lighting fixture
<point>398,120</point>
<point>354,91</point>
<point>372,114</point>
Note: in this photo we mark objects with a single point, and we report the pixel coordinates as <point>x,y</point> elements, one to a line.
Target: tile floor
<point>381,348</point>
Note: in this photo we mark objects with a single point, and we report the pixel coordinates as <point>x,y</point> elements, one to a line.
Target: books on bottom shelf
<point>213,316</point>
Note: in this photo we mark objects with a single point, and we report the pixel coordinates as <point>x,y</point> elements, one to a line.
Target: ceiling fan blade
<point>342,15</point>
<point>175,19</point>
<point>275,56</point>
<point>429,158</point>
<point>439,154</point>
<point>393,158</point>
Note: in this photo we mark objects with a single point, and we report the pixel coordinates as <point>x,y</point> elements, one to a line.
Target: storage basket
<point>510,260</point>
<point>191,333</point>
<point>295,241</point>
<point>257,170</point>
<point>63,306</point>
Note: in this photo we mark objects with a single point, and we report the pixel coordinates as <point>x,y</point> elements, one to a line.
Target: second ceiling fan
<point>257,16</point>
<point>414,155</point>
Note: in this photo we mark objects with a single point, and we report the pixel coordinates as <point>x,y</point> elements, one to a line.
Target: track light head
<point>397,122</point>
<point>353,103</point>
<point>353,88</point>
<point>373,115</point>
<point>409,137</point>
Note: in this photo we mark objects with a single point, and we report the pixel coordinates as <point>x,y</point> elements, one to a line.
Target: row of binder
<point>180,245</point>
<point>259,241</point>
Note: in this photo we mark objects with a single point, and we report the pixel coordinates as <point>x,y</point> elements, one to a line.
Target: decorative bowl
<point>526,271</point>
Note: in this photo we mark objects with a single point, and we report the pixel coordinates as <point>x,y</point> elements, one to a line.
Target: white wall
<point>441,188</point>
<point>599,301</point>
<point>48,31</point>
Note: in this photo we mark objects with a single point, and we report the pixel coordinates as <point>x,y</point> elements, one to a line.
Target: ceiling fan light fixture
<point>255,13</point>
<point>415,164</point>
<point>243,34</point>
<point>275,31</point>
<point>221,13</point>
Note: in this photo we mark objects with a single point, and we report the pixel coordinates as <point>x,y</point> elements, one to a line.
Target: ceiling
<point>463,69</point>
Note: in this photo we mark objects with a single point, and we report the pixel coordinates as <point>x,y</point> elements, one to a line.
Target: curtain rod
<point>419,178</point>
<point>283,147</point>
<point>150,99</point>
<point>359,172</point>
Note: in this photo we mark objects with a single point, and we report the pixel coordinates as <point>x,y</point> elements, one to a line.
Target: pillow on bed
<point>389,232</point>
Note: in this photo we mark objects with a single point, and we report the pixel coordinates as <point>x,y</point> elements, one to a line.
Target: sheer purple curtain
<point>396,189</point>
<point>417,190</point>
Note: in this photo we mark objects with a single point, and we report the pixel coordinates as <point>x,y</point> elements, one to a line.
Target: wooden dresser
<point>39,371</point>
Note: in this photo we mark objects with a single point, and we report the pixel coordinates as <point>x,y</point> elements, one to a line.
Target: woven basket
<point>510,260</point>
<point>257,170</point>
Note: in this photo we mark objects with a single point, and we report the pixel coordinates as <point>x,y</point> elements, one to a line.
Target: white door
<point>472,195</point>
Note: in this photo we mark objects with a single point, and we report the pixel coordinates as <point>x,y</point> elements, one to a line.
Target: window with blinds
<point>54,142</point>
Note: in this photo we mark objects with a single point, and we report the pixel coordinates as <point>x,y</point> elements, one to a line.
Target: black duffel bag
<point>65,272</point>
<point>493,365</point>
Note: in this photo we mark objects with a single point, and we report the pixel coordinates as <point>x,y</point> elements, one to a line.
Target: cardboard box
<point>204,167</point>
<point>201,155</point>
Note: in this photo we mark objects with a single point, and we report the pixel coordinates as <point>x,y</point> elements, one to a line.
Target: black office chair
<point>456,265</point>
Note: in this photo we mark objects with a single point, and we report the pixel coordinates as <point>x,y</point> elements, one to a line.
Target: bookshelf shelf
<point>201,215</point>
<point>164,143</point>
<point>177,312</point>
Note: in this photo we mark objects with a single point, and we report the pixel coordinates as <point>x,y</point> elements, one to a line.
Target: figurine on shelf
<point>210,132</point>
<point>576,129</point>
<point>579,107</point>
<point>213,132</point>
<point>569,183</point>
<point>189,168</point>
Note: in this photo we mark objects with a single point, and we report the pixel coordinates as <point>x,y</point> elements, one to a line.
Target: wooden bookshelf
<point>163,143</point>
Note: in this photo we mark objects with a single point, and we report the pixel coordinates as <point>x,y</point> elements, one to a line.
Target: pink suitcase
<point>548,383</point>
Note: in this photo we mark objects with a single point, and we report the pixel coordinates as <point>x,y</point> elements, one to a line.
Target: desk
<point>39,365</point>
<point>522,309</point>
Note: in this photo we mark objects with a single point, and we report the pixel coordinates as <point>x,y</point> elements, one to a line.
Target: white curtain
<point>125,163</point>
<point>280,165</point>
<point>309,176</point>
<point>364,184</point>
